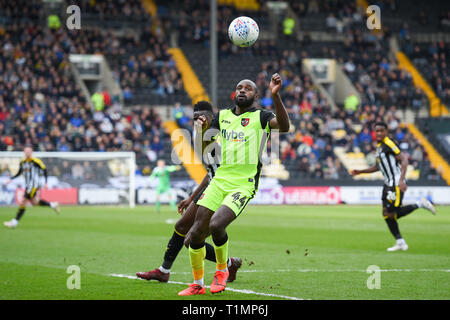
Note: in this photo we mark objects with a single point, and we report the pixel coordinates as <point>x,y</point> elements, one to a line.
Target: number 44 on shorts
<point>391,196</point>
<point>238,200</point>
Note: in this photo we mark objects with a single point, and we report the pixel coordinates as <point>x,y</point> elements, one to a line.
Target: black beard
<point>244,103</point>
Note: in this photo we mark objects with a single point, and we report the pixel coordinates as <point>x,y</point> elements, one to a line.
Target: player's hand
<point>45,186</point>
<point>200,122</point>
<point>177,167</point>
<point>355,172</point>
<point>8,182</point>
<point>275,83</point>
<point>402,185</point>
<point>184,204</point>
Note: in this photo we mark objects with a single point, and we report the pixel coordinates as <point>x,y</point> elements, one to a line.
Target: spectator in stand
<point>98,100</point>
<point>66,171</point>
<point>365,137</point>
<point>76,120</point>
<point>157,146</point>
<point>267,101</point>
<point>303,167</point>
<point>399,134</point>
<point>317,172</point>
<point>287,152</point>
<point>330,170</point>
<point>351,103</point>
<point>77,171</point>
<point>88,173</point>
<point>62,145</point>
<point>106,99</point>
<point>305,106</point>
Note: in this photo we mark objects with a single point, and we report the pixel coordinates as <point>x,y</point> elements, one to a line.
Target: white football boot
<point>427,205</point>
<point>399,245</point>
<point>11,224</point>
<point>55,206</point>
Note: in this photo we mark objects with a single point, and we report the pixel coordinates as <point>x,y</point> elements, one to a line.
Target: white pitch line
<point>245,291</point>
<point>333,270</point>
<point>349,270</point>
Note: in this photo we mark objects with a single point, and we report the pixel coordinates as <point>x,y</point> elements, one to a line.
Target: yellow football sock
<point>221,256</point>
<point>197,257</point>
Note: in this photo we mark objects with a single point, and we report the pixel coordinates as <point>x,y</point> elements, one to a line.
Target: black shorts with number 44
<point>392,198</point>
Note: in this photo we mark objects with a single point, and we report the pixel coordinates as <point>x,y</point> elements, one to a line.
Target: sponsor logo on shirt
<point>234,136</point>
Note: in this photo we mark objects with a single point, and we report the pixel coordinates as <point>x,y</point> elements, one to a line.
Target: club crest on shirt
<point>245,121</point>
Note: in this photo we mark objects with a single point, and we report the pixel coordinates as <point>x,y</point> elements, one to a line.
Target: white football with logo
<point>243,31</point>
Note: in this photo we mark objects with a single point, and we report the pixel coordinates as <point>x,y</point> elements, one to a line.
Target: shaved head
<point>246,93</point>
<point>250,82</point>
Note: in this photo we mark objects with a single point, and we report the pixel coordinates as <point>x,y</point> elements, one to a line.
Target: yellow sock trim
<point>178,233</point>
<point>198,274</point>
<point>221,266</point>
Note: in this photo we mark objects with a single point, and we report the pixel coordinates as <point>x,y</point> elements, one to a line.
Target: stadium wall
<point>274,195</point>
<point>332,195</point>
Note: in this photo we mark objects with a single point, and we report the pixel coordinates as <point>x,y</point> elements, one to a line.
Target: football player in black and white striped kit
<point>393,163</point>
<point>188,207</point>
<point>32,170</point>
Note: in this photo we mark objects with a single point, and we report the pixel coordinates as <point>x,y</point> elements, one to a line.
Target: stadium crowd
<point>113,10</point>
<point>377,77</point>
<point>316,128</point>
<point>433,60</point>
<point>40,103</point>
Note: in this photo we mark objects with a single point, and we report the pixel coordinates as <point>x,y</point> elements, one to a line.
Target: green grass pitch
<point>303,252</point>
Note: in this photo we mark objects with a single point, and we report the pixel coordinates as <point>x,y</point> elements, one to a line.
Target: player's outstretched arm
<point>281,120</point>
<point>186,202</point>
<point>173,168</point>
<point>16,175</point>
<point>368,170</point>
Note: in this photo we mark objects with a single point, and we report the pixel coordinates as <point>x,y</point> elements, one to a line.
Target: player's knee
<point>196,234</point>
<point>181,227</point>
<point>388,215</point>
<point>215,227</point>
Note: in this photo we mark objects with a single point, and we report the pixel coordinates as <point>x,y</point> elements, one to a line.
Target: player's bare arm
<point>15,176</point>
<point>281,120</point>
<point>368,170</point>
<point>401,157</point>
<point>186,202</point>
